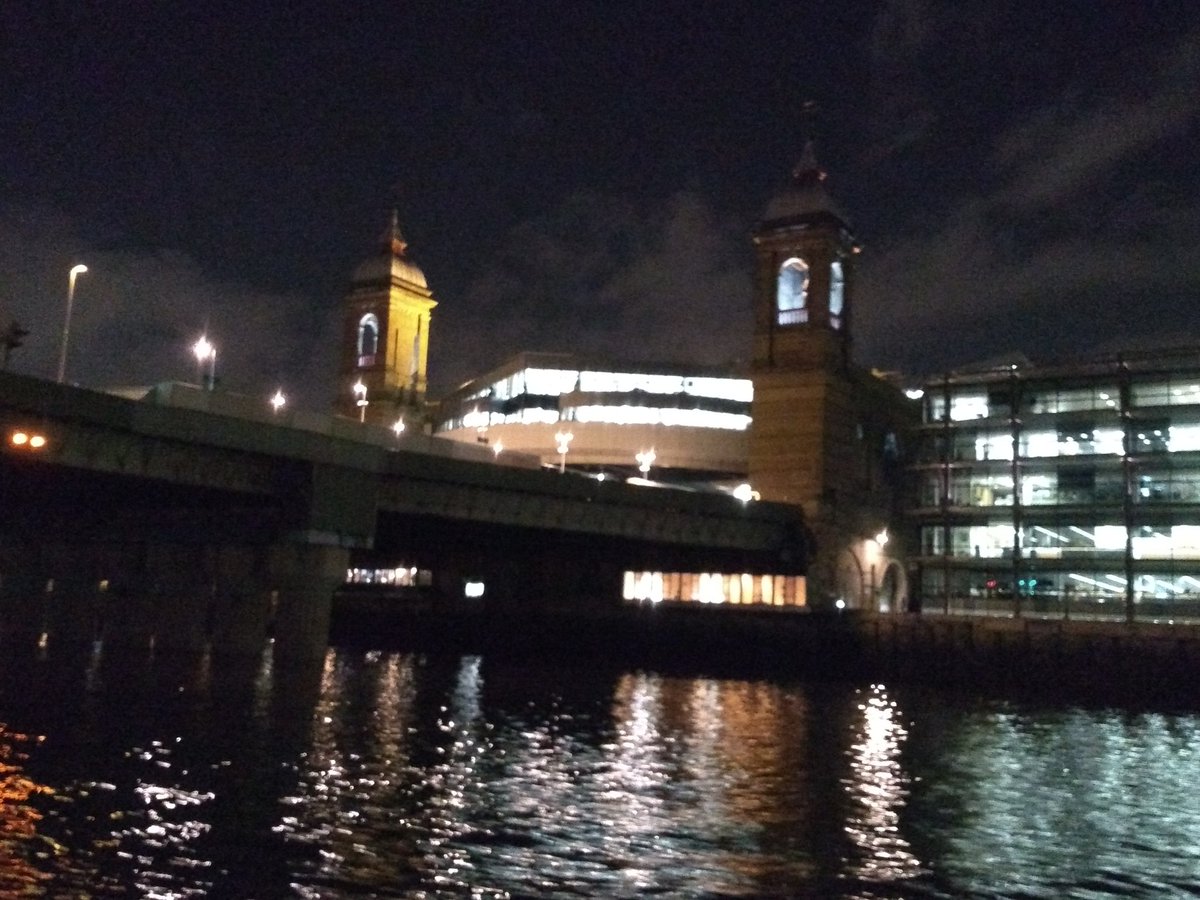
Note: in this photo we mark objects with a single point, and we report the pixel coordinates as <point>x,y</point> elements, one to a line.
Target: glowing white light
<point>398,427</point>
<point>563,440</point>
<point>841,604</point>
<point>204,349</point>
<point>645,460</point>
<point>278,400</point>
<point>666,416</point>
<point>360,394</point>
<point>914,393</point>
<point>473,589</point>
<point>882,538</point>
<point>745,493</point>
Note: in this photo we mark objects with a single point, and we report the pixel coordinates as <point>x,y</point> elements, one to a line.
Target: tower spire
<point>807,166</point>
<point>805,199</point>
<point>393,240</point>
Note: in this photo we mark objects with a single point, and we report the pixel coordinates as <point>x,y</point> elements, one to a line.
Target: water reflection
<point>20,842</point>
<point>878,788</point>
<point>384,774</point>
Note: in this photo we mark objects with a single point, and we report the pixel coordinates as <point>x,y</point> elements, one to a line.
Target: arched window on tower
<point>837,293</point>
<point>791,297</point>
<point>368,340</point>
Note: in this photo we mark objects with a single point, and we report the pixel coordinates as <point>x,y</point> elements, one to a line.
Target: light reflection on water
<point>385,774</point>
<point>878,787</point>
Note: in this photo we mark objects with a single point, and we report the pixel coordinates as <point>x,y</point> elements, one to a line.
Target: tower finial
<point>393,240</point>
<point>808,165</point>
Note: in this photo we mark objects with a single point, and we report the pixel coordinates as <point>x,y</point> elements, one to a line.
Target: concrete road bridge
<point>191,516</point>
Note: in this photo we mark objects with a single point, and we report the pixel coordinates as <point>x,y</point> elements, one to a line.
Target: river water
<point>384,774</point>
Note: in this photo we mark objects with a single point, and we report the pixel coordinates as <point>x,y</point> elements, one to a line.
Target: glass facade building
<point>1064,491</point>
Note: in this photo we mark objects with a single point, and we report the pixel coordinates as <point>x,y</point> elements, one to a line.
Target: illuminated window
<point>368,339</point>
<point>837,293</point>
<point>791,296</point>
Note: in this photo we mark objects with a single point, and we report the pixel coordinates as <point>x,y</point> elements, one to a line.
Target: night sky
<point>577,176</point>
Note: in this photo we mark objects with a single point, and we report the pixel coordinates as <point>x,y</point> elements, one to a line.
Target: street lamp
<point>876,558</point>
<point>75,272</point>
<point>277,402</point>
<point>206,351</point>
<point>563,438</point>
<point>360,399</point>
<point>398,427</point>
<point>646,460</point>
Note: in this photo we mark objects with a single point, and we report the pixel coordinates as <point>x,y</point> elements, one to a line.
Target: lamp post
<point>75,272</point>
<point>563,438</point>
<point>880,541</point>
<point>645,461</point>
<point>206,352</point>
<point>360,399</point>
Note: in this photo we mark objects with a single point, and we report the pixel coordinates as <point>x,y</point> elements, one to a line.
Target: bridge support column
<point>72,609</point>
<point>307,576</point>
<point>182,597</point>
<point>22,604</point>
<point>128,603</point>
<point>71,593</point>
<point>242,604</point>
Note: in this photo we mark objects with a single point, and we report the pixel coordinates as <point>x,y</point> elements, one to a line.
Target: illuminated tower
<point>825,432</point>
<point>804,286</point>
<point>385,336</point>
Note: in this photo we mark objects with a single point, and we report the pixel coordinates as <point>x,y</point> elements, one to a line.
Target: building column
<point>306,576</point>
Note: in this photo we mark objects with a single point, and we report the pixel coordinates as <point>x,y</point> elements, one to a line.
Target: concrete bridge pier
<point>241,611</point>
<point>73,608</point>
<point>306,576</point>
<point>22,600</point>
<point>127,610</point>
<point>180,583</point>
<point>48,590</point>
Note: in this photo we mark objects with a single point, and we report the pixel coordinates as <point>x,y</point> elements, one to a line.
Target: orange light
<point>27,440</point>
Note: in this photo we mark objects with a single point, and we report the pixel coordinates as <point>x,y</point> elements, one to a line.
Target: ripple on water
<point>405,775</point>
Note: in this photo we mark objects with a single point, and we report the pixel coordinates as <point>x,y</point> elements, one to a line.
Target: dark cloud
<point>1075,233</point>
<point>606,276</point>
<point>1022,176</point>
<point>136,315</point>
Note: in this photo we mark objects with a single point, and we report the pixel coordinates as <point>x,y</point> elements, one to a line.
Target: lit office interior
<point>1072,491</point>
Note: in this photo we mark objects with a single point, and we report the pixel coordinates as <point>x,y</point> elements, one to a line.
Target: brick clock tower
<point>825,434</point>
<point>385,337</point>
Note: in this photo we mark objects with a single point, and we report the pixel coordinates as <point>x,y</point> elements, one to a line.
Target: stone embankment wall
<point>1098,661</point>
<point>1103,660</point>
